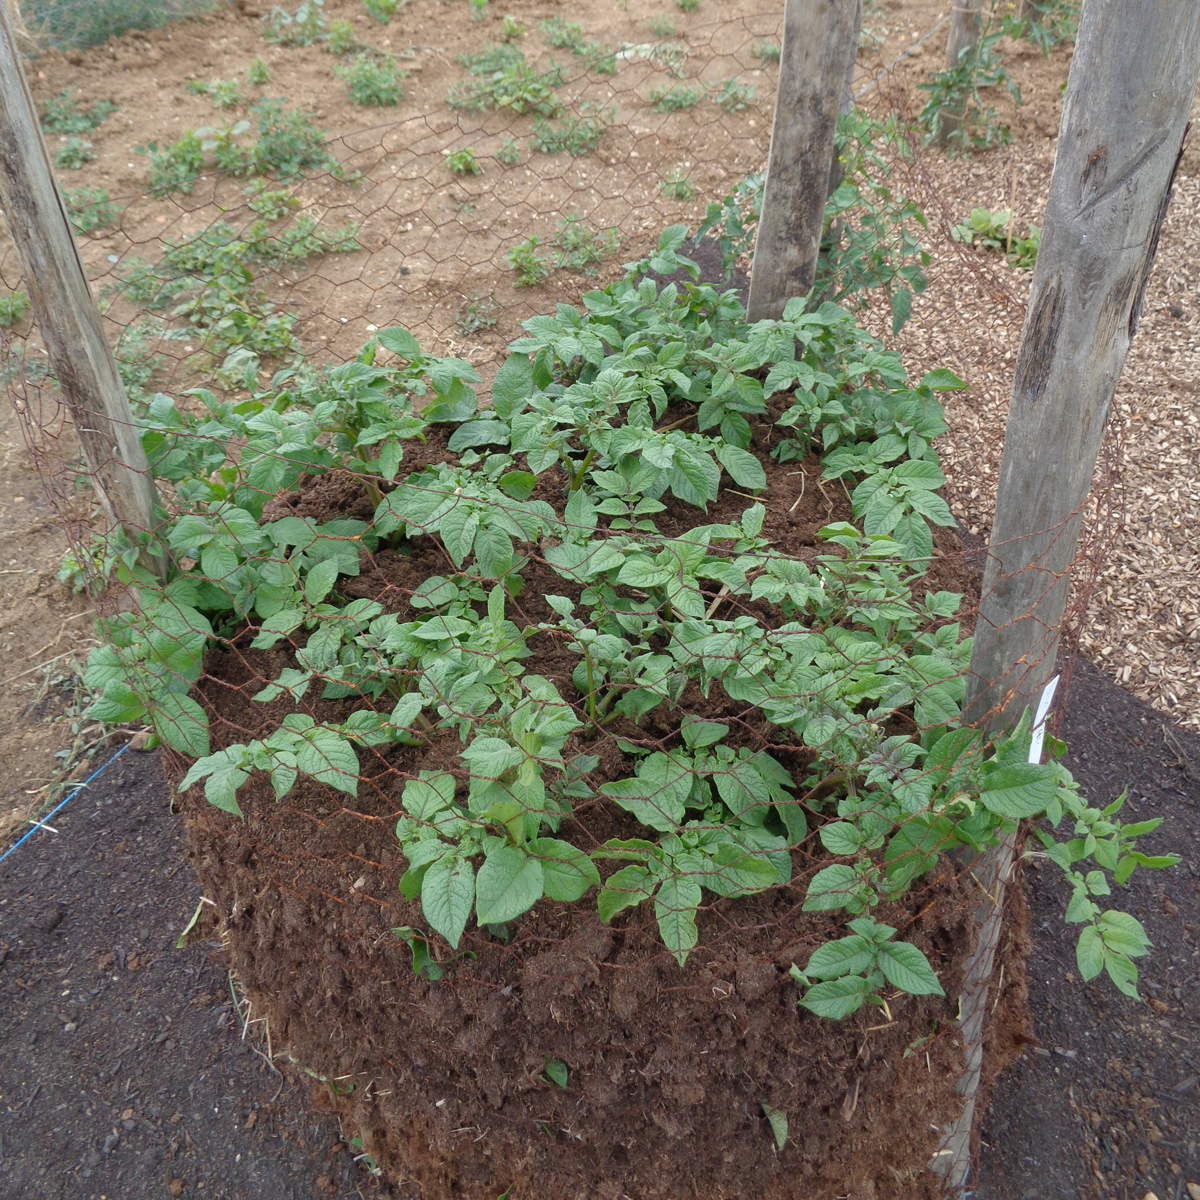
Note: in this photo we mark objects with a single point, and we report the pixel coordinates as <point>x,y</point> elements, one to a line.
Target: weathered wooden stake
<point>819,41</point>
<point>1130,90</point>
<point>63,306</point>
<point>1132,80</point>
<point>965,27</point>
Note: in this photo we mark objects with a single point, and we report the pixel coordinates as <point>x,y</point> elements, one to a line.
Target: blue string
<point>64,803</point>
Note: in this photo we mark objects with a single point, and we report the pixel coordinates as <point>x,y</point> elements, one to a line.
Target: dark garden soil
<point>122,1072</point>
<point>1106,1101</point>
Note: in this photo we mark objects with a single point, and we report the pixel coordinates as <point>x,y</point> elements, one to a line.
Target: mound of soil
<point>670,1070</point>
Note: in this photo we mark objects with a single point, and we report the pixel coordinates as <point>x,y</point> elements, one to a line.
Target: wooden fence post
<point>1132,81</point>
<point>63,306</point>
<point>819,40</point>
<point>965,27</point>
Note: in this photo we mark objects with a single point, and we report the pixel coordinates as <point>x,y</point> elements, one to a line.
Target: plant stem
<point>577,478</point>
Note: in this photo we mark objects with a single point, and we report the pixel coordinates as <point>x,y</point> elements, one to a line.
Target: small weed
<point>373,83</point>
<point>341,39</point>
<point>90,209</point>
<point>578,136</point>
<point>288,143</point>
<point>174,168</point>
<point>305,27</point>
<point>270,203</point>
<point>732,95</point>
<point>75,154</point>
<point>554,1071</point>
<point>13,309</point>
<point>61,113</point>
<point>688,6</point>
<point>562,35</point>
<point>382,10</point>
<point>258,73</point>
<point>677,186</point>
<point>675,98</point>
<point>491,58</point>
<point>463,162</point>
<point>990,231</point>
<point>480,313</point>
<point>225,93</point>
<point>478,9</point>
<point>766,51</point>
<point>1024,250</point>
<point>510,153</point>
<point>661,25</point>
<point>511,29</point>
<point>531,267</point>
<point>578,248</point>
<point>517,87</point>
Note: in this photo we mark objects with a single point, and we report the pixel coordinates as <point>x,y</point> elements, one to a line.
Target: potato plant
<point>857,668</point>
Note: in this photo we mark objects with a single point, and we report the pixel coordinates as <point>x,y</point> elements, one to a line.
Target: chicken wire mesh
<point>541,623</point>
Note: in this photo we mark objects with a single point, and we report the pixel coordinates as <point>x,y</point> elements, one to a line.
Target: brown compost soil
<point>669,1068</point>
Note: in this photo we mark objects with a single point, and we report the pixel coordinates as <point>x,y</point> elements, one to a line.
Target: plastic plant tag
<point>1039,721</point>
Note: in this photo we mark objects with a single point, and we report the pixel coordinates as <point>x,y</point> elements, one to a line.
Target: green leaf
<point>406,710</point>
<point>518,484</point>
<point>675,906</point>
<point>841,838</point>
<point>509,883</point>
<point>837,998</point>
<point>513,383</point>
<point>181,723</point>
<point>901,309</point>
<point>624,889</point>
<point>482,432</point>
<point>831,889</point>
<point>1018,790</point>
<point>491,758</point>
<point>568,871</point>
<point>320,581</point>
<point>906,968</point>
<point>399,341</point>
<point>276,626</point>
<point>555,1071</point>
<point>328,757</point>
<point>779,1124</point>
<point>1122,972</point>
<point>744,790</point>
<point>942,380</point>
<point>847,956</point>
<point>447,893</point>
<point>697,733</point>
<point>744,469</point>
<point>1089,953</point>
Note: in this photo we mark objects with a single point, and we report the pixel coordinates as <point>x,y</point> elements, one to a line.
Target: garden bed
<point>668,1067</point>
<point>567,645</point>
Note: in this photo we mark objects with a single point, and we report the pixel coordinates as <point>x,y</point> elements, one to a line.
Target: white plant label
<point>1039,721</point>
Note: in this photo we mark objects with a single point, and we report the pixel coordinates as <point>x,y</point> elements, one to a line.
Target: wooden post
<point>63,306</point>
<point>965,27</point>
<point>819,40</point>
<point>1124,119</point>
<point>1130,90</point>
